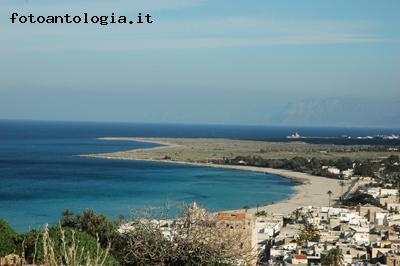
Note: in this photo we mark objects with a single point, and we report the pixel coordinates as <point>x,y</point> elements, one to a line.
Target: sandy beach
<point>312,190</point>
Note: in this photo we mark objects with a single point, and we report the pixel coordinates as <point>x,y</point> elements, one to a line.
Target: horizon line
<point>197,124</point>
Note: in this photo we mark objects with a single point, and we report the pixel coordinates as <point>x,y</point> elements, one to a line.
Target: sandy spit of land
<point>311,190</point>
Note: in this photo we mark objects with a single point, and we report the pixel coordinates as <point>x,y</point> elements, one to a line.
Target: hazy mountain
<point>340,111</point>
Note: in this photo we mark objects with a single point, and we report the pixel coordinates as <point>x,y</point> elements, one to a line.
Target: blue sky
<point>330,63</point>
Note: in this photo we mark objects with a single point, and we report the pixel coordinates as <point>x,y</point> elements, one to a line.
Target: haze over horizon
<point>325,63</point>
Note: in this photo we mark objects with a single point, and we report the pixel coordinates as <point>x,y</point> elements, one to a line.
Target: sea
<point>41,173</point>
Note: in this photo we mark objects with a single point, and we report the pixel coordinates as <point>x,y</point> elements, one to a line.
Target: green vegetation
<point>312,166</point>
<point>361,198</point>
<point>366,168</point>
<point>96,225</point>
<point>8,239</point>
<point>57,245</point>
<point>334,257</point>
<point>385,168</point>
<point>84,239</point>
<point>99,226</point>
<point>218,150</point>
<point>343,163</point>
<point>307,233</point>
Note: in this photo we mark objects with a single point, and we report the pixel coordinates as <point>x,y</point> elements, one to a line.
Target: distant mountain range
<point>338,111</point>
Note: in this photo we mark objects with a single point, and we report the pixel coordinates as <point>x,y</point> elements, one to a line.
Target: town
<point>361,228</point>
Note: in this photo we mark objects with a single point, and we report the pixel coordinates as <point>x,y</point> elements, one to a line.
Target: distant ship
<point>295,136</point>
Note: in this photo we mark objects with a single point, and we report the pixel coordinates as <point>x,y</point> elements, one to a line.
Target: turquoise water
<point>41,176</point>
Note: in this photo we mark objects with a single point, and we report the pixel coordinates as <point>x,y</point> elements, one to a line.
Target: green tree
<point>342,185</point>
<point>97,225</point>
<point>366,168</point>
<point>308,232</point>
<point>344,163</point>
<point>68,218</point>
<point>334,257</point>
<point>297,164</point>
<point>315,164</point>
<point>392,159</point>
<point>360,198</point>
<point>329,195</point>
<point>8,239</point>
<point>296,213</point>
<point>276,163</point>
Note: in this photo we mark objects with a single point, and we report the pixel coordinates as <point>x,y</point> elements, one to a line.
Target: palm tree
<point>334,257</point>
<point>68,218</point>
<point>296,213</point>
<point>329,195</point>
<point>341,184</point>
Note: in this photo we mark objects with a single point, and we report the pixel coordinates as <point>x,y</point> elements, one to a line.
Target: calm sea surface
<point>41,176</point>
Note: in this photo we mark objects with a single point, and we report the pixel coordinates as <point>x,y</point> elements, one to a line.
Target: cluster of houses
<point>386,197</point>
<point>365,234</point>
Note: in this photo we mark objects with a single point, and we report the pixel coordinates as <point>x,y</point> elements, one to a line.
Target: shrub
<point>57,245</point>
<point>96,225</point>
<point>197,238</point>
<point>7,239</point>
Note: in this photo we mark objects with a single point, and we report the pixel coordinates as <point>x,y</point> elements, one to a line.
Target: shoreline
<point>310,190</point>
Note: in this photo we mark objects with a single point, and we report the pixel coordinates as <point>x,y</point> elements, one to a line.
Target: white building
<point>348,173</point>
<point>388,192</point>
<point>332,169</point>
<point>361,238</point>
<point>268,227</point>
<point>381,218</point>
<point>378,192</point>
<point>374,191</point>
